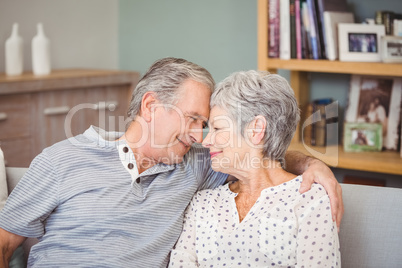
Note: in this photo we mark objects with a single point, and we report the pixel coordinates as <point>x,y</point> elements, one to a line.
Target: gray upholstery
<point>371,229</point>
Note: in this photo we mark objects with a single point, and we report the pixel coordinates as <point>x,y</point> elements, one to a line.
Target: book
<point>331,20</point>
<point>307,123</point>
<point>388,19</point>
<point>284,36</point>
<point>315,39</point>
<point>329,6</point>
<point>298,30</point>
<point>306,50</point>
<point>319,135</point>
<point>292,22</point>
<point>273,27</point>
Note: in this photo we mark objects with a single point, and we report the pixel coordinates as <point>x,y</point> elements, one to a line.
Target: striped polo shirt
<point>85,201</point>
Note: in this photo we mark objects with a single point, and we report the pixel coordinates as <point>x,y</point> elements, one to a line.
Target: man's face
<point>176,127</point>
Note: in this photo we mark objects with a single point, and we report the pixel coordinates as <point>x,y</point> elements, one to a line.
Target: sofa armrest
<point>14,174</point>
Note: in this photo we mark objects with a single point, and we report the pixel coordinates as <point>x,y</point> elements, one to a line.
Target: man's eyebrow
<point>197,115</point>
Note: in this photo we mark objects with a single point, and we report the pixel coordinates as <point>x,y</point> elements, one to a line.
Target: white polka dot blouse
<point>283,229</point>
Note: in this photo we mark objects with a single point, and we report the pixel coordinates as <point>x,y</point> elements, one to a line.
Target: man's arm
<point>8,244</point>
<point>313,170</point>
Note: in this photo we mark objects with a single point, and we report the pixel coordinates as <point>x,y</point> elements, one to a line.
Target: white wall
<point>83,33</point>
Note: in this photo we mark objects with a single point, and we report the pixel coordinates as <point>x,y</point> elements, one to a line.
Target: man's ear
<point>147,105</point>
<point>257,129</point>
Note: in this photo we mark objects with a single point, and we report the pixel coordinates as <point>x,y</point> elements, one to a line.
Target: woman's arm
<point>183,253</point>
<point>313,170</point>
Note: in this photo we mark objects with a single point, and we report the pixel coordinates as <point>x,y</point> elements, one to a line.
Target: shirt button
<point>138,180</point>
<point>130,166</point>
<point>125,149</point>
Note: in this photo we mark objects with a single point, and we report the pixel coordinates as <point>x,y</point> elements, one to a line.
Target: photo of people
<point>377,100</point>
<point>374,101</point>
<point>363,42</point>
<point>394,49</point>
<point>363,137</point>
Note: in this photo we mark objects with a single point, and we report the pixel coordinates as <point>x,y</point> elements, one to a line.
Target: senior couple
<point>108,199</point>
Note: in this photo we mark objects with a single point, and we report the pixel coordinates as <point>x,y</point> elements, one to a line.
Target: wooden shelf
<point>382,162</point>
<point>326,66</point>
<point>335,156</point>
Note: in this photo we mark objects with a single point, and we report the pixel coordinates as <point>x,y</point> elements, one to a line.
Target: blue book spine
<point>313,29</point>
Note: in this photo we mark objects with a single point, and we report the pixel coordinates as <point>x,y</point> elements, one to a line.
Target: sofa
<point>371,229</point>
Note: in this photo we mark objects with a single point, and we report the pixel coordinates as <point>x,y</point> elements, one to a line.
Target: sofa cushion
<point>3,181</point>
<point>371,229</point>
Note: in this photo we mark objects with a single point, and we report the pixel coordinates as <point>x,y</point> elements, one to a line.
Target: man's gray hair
<point>245,95</point>
<point>164,78</point>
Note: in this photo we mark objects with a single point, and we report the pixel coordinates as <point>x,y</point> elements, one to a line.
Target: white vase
<point>14,53</point>
<point>40,53</point>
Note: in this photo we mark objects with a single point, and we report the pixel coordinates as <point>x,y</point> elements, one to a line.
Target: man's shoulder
<point>73,143</point>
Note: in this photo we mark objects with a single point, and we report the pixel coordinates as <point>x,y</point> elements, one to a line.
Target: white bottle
<point>14,53</point>
<point>40,53</point>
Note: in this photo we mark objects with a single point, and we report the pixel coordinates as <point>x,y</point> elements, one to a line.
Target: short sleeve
<point>317,239</point>
<point>200,160</point>
<point>32,200</point>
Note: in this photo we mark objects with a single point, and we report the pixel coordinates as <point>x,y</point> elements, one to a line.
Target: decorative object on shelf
<point>14,53</point>
<point>391,47</point>
<point>374,99</point>
<point>397,27</point>
<point>331,21</point>
<point>40,52</point>
<point>320,127</point>
<point>360,42</point>
<point>362,137</point>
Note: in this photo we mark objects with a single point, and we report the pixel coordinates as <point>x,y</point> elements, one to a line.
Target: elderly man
<point>117,199</point>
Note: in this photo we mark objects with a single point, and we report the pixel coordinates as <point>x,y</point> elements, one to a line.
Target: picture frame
<point>391,47</point>
<point>376,99</point>
<point>362,137</point>
<point>360,42</point>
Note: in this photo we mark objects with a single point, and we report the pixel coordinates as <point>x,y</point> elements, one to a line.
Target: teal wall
<point>220,35</point>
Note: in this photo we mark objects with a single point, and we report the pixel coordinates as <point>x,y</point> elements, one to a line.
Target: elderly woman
<point>260,220</point>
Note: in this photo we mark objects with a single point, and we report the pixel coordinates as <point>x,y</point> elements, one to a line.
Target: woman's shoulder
<point>211,193</point>
<point>211,196</point>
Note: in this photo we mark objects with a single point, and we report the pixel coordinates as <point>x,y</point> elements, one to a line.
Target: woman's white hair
<point>164,78</point>
<point>245,95</point>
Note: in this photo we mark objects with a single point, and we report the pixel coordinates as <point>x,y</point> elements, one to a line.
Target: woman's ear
<point>147,103</point>
<point>257,129</point>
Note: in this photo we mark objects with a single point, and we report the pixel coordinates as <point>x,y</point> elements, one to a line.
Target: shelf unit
<point>382,162</point>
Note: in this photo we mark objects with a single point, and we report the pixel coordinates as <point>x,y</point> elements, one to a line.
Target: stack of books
<point>320,124</point>
<point>305,29</point>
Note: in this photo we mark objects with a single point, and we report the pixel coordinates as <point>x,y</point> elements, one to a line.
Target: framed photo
<point>376,99</point>
<point>391,47</point>
<point>362,137</point>
<point>360,42</point>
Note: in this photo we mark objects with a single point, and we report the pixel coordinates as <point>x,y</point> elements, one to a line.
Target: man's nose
<point>196,135</point>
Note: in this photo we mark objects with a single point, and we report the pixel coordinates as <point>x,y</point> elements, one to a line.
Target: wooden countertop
<point>65,78</point>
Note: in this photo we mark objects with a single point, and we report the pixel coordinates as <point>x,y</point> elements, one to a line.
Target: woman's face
<point>227,146</point>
